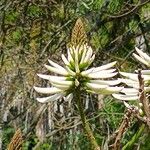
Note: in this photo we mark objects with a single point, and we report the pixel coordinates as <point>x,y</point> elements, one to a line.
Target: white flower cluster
<point>132,81</point>
<point>75,73</point>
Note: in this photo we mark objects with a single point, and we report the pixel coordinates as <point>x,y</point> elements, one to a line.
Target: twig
<point>123,127</point>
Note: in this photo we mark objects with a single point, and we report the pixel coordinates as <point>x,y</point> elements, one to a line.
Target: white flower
<point>75,73</point>
<point>132,81</point>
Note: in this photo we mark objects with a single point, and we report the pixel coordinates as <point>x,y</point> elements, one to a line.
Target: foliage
<point>33,31</point>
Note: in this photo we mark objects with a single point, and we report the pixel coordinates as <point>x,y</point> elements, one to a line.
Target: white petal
<point>145,72</point>
<point>107,66</point>
<point>70,72</point>
<point>70,59</point>
<point>101,75</point>
<point>125,97</point>
<point>146,89</point>
<point>134,76</point>
<point>142,60</point>
<point>104,71</point>
<point>93,71</point>
<point>47,90</point>
<point>130,82</point>
<point>81,49</point>
<point>76,60</point>
<point>130,91</point>
<point>58,71</point>
<point>49,77</point>
<point>110,90</point>
<point>71,50</point>
<point>106,82</point>
<point>76,83</point>
<point>43,76</point>
<point>95,86</point>
<point>146,77</point>
<point>127,105</point>
<point>65,83</point>
<point>69,97</point>
<point>143,55</point>
<point>66,62</point>
<point>50,98</point>
<point>88,55</point>
<point>55,65</point>
<point>86,72</point>
<point>83,54</point>
<point>59,86</point>
<point>92,59</point>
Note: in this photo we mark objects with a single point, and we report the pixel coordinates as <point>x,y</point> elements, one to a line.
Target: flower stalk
<point>85,123</point>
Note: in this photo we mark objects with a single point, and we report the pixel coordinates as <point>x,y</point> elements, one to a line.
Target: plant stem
<point>85,123</point>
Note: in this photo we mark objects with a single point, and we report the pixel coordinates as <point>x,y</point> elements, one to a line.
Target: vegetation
<point>33,32</point>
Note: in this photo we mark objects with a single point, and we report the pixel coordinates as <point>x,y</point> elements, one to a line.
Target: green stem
<point>136,136</point>
<point>85,123</point>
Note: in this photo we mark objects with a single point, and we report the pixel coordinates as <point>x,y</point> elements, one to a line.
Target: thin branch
<point>122,128</point>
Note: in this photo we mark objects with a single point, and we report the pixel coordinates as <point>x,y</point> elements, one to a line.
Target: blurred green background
<point>33,31</point>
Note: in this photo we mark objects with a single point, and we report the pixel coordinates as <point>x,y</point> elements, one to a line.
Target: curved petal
<point>47,90</point>
<point>92,59</point>
<point>76,60</point>
<point>70,59</point>
<point>50,98</point>
<point>49,77</point>
<point>131,76</point>
<point>55,65</point>
<point>92,71</point>
<point>147,89</point>
<point>58,71</point>
<point>88,55</point>
<point>143,55</point>
<point>86,72</point>
<point>70,71</point>
<point>125,97</point>
<point>83,55</point>
<point>95,86</point>
<point>134,76</point>
<point>104,71</point>
<point>59,86</point>
<point>110,90</point>
<point>68,97</point>
<point>130,82</point>
<point>127,105</point>
<point>145,72</point>
<point>130,91</point>
<point>140,59</point>
<point>66,62</point>
<point>65,83</point>
<point>106,82</point>
<point>103,75</point>
<point>107,66</point>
